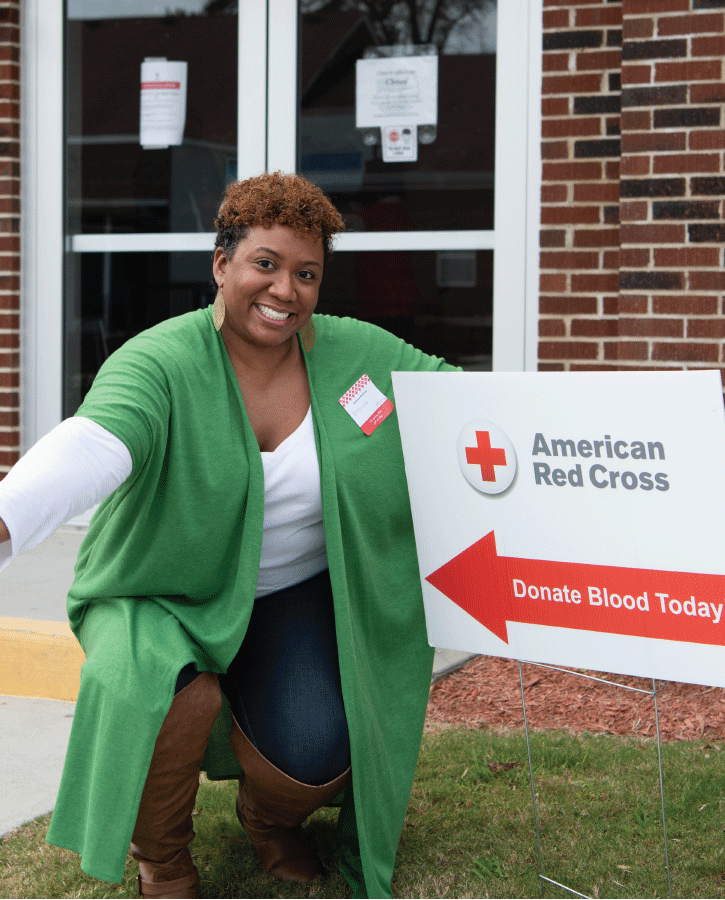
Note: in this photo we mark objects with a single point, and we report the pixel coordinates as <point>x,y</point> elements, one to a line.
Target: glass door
<point>393,111</point>
<point>151,141</point>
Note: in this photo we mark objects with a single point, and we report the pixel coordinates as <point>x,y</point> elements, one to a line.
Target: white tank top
<point>293,543</point>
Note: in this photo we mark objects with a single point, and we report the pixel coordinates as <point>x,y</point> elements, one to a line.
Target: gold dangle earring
<point>219,310</point>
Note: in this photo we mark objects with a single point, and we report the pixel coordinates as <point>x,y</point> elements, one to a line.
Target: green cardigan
<point>167,575</point>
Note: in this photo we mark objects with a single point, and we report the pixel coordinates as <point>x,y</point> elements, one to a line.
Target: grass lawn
<point>470,826</point>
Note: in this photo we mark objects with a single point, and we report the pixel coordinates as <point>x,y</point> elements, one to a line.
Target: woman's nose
<point>282,286</point>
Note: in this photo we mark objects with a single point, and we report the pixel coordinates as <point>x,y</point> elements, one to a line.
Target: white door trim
<point>42,154</point>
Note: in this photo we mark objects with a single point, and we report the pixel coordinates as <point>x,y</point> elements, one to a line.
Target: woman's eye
<point>306,274</point>
<point>265,263</point>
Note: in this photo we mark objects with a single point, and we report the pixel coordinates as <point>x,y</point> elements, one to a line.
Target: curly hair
<point>275,199</point>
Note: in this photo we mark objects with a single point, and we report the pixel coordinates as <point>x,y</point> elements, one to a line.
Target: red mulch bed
<point>486,693</point>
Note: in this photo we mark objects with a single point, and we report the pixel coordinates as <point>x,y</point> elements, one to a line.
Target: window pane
<point>114,185</point>
<point>440,302</point>
<point>450,185</point>
<point>113,296</point>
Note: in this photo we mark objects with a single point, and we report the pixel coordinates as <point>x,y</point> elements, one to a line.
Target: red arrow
<point>673,606</point>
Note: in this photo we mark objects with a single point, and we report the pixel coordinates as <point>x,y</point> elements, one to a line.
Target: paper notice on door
<point>400,143</point>
<point>163,103</point>
<point>398,90</point>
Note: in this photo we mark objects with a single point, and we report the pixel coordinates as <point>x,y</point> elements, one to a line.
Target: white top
<point>79,463</point>
<point>293,543</point>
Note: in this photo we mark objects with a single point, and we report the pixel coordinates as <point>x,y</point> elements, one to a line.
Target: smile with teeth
<point>273,314</point>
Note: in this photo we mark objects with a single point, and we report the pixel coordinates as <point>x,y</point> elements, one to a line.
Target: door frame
<point>267,104</point>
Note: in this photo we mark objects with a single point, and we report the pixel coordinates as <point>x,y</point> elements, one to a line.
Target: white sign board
<point>571,518</point>
<point>163,103</point>
<point>399,90</point>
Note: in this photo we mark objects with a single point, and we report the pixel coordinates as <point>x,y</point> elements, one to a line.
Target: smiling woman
<point>252,564</point>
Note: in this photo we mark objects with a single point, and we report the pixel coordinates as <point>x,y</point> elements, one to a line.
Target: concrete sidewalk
<point>39,671</point>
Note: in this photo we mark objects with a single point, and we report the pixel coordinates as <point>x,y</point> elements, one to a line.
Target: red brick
<point>631,350</point>
<point>654,141</point>
<point>611,170</point>
<point>554,193</point>
<point>633,304</point>
<point>589,126</point>
<point>708,46</point>
<point>595,61</point>
<point>652,233</point>
<point>551,328</point>
<point>9,379</point>
<point>569,260</point>
<point>596,237</point>
<point>594,328</point>
<point>646,327</point>
<point>8,458</point>
<point>595,283</point>
<point>11,321</point>
<point>635,258</point>
<point>686,163</point>
<point>593,192</point>
<point>686,256</point>
<point>571,171</point>
<point>637,28</point>
<point>555,62</point>
<point>555,106</point>
<point>633,210</point>
<point>590,18</point>
<point>658,6</point>
<point>692,24</point>
<point>554,150</point>
<point>635,165</point>
<point>639,74</point>
<point>690,70</point>
<point>707,139</point>
<point>610,306</point>
<point>706,281</point>
<point>686,352</point>
<point>610,259</point>
<point>552,238</point>
<point>570,215</point>
<point>684,305</point>
<point>568,2</point>
<point>636,119</point>
<point>574,84</point>
<point>556,18</point>
<point>567,306</point>
<point>568,350</point>
<point>550,367</point>
<point>706,328</point>
<point>549,282</point>
<point>707,93</point>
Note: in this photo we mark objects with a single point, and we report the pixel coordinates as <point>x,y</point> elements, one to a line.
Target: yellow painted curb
<point>39,659</point>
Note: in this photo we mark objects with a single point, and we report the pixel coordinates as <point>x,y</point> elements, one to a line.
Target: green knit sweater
<point>167,575</point>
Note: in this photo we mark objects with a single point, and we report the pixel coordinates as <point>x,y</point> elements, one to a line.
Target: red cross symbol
<point>485,456</point>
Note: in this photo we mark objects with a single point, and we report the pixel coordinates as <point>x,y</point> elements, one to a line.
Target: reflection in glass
<point>114,185</point>
<point>440,302</point>
<point>450,186</point>
<point>120,295</point>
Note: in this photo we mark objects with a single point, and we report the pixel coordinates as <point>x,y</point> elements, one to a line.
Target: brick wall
<point>632,191</point>
<point>9,231</point>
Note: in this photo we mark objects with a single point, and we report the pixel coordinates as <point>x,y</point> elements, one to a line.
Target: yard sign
<point>573,519</point>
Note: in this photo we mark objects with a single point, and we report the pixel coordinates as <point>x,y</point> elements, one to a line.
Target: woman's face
<point>270,285</point>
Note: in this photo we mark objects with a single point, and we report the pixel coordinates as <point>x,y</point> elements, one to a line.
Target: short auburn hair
<point>275,199</point>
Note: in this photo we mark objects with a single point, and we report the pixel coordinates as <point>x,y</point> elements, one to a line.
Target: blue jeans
<point>284,683</point>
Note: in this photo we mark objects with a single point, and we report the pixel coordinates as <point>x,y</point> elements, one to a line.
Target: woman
<point>255,535</point>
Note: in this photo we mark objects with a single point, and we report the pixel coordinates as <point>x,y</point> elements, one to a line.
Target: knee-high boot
<point>160,842</point>
<point>271,807</point>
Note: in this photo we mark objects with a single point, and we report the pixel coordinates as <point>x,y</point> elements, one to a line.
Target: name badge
<point>366,404</point>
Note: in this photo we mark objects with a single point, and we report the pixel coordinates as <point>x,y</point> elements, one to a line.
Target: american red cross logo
<point>485,456</point>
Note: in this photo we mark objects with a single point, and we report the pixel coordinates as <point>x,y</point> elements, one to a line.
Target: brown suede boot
<point>160,842</point>
<point>272,806</point>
